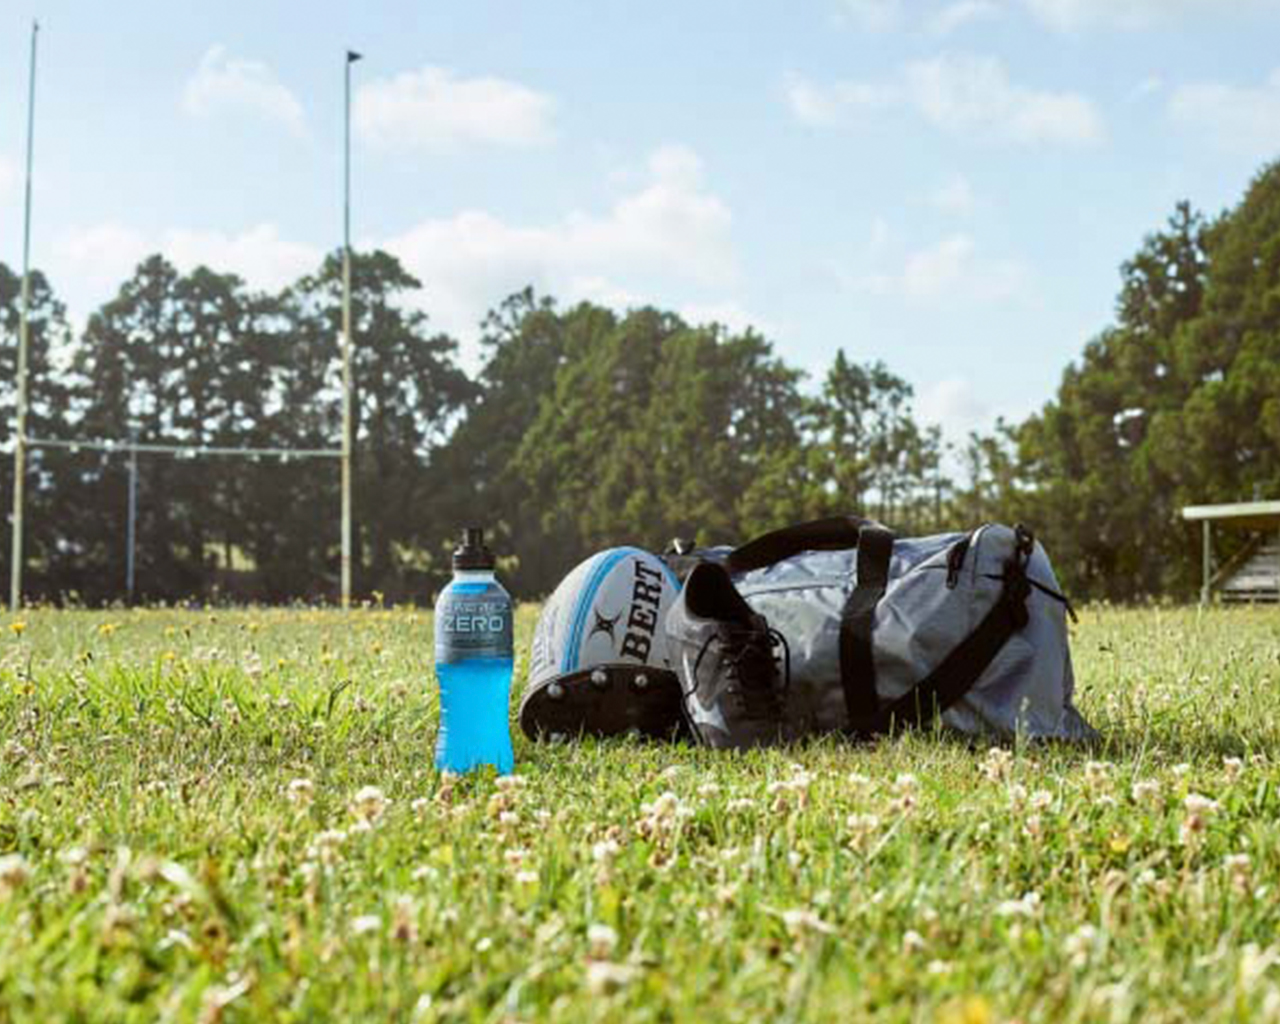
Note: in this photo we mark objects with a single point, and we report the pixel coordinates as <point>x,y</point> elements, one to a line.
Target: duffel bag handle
<point>836,533</point>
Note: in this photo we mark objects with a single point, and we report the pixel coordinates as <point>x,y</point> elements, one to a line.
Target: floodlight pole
<point>352,57</point>
<point>24,325</point>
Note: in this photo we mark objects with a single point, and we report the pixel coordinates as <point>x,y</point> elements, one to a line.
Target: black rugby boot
<point>723,653</point>
<point>608,700</point>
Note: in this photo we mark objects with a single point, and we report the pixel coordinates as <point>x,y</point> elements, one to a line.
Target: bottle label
<point>473,622</point>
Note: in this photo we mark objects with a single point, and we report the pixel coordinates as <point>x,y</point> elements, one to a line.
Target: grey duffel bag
<point>884,633</point>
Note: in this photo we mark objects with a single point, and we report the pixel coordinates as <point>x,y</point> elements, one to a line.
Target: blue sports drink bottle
<point>474,661</point>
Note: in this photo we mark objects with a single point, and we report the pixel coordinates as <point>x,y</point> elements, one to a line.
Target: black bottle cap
<point>472,553</point>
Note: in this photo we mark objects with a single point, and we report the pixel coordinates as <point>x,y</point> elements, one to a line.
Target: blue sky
<point>948,186</point>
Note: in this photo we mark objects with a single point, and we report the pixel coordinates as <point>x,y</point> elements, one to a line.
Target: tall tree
<point>407,393</point>
<point>50,472</point>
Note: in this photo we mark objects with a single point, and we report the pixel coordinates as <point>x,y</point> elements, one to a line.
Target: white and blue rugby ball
<point>609,610</point>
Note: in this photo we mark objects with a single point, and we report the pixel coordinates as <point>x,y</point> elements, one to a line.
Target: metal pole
<point>1206,562</point>
<point>352,57</point>
<point>20,433</point>
<point>132,529</point>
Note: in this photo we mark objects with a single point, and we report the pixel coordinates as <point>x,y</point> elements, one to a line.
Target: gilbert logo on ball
<point>607,610</point>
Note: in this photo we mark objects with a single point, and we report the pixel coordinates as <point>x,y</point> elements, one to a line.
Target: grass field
<point>233,816</point>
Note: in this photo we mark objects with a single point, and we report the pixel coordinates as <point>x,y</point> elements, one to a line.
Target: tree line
<point>585,428</point>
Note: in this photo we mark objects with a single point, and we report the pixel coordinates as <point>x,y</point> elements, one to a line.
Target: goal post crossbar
<point>194,450</point>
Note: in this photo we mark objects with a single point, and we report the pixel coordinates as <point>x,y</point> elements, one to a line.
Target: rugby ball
<point>609,610</point>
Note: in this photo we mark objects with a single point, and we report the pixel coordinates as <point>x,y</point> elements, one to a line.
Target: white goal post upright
<point>24,326</point>
<point>352,57</point>
<point>132,447</point>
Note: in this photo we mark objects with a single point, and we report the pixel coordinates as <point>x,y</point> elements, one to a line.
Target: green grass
<point>158,865</point>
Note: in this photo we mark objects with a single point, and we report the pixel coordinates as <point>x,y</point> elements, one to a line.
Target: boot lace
<point>750,663</point>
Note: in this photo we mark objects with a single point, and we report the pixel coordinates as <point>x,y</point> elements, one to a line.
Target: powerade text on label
<point>474,661</point>
<point>473,625</point>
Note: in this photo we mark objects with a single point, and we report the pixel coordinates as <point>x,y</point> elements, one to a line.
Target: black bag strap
<point>857,661</point>
<point>964,666</point>
<point>838,533</point>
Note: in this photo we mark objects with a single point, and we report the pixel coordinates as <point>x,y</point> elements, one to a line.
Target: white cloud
<point>828,105</point>
<point>949,269</point>
<point>964,94</point>
<point>102,257</point>
<point>434,110</point>
<point>1244,119</point>
<point>954,405</point>
<point>222,83</point>
<point>671,231</point>
<point>960,13</point>
<point>931,272</point>
<point>955,196</point>
<point>1077,15</point>
<point>259,255</point>
<point>874,15</point>
<point>665,241</point>
<point>970,93</point>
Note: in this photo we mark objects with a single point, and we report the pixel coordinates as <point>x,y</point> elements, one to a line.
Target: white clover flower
<point>1195,803</point>
<point>664,807</point>
<point>997,764</point>
<point>605,977</point>
<point>740,805</point>
<point>74,856</point>
<point>14,873</point>
<point>1027,906</point>
<point>327,845</point>
<point>365,923</point>
<point>938,968</point>
<point>601,941</point>
<point>510,783</point>
<point>799,922</point>
<point>508,819</point>
<point>526,877</point>
<point>1239,868</point>
<point>709,789</point>
<point>1233,766</point>
<point>605,851</point>
<point>369,804</point>
<point>1146,791</point>
<point>1080,944</point>
<point>905,783</point>
<point>1096,773</point>
<point>912,941</point>
<point>301,792</point>
<point>1041,800</point>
